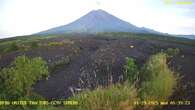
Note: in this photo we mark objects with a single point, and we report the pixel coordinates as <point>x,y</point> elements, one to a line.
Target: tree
<point>158,81</point>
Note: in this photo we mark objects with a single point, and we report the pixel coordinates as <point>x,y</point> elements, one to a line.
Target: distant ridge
<point>186,36</point>
<point>98,21</point>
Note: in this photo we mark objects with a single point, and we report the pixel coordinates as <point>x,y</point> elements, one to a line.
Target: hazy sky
<point>23,17</point>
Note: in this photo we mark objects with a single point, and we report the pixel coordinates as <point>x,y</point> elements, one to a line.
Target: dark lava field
<point>89,61</point>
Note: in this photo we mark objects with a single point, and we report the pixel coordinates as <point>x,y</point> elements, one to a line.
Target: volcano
<point>98,21</point>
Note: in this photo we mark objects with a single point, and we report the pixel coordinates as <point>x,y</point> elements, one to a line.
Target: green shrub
<point>34,45</point>
<point>158,81</point>
<point>131,70</point>
<point>114,97</point>
<point>11,47</point>
<point>55,43</point>
<point>172,52</point>
<point>16,80</point>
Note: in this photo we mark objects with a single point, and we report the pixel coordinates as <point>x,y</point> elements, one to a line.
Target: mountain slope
<point>186,36</point>
<point>97,21</point>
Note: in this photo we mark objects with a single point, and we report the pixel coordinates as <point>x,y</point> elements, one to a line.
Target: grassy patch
<point>55,43</point>
<point>164,38</point>
<point>114,97</point>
